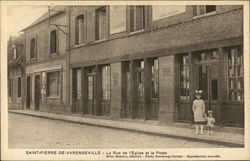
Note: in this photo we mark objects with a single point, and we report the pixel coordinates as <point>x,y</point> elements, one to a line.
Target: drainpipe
<point>69,75</point>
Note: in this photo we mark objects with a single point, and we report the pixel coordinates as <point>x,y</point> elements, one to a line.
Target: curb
<point>217,142</point>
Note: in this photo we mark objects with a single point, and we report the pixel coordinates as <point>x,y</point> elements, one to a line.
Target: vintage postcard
<point>125,80</point>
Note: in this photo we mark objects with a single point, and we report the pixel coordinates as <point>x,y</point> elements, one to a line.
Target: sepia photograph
<point>121,81</point>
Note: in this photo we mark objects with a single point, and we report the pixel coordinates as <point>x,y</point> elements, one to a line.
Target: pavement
<point>232,137</point>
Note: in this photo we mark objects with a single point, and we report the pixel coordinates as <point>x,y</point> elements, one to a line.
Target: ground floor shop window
<point>106,82</point>
<point>154,79</point>
<point>140,79</point>
<point>184,77</point>
<point>53,84</point>
<point>235,74</point>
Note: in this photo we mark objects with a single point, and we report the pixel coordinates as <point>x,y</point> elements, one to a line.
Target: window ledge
<point>80,45</point>
<point>138,31</point>
<point>205,15</point>
<point>53,97</point>
<point>101,40</point>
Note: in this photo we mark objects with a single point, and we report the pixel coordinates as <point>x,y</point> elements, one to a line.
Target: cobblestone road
<point>32,132</point>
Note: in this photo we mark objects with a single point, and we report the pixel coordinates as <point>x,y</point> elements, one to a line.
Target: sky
<point>20,16</point>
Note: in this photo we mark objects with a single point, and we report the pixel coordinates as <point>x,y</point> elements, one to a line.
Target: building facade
<point>16,71</point>
<point>46,65</point>
<point>138,62</point>
<point>145,62</point>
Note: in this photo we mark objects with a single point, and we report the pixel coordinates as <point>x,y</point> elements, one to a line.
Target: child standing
<point>210,123</point>
<point>199,112</point>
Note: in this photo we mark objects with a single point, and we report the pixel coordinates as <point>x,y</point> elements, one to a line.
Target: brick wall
<point>166,89</point>
<point>202,30</point>
<point>116,90</point>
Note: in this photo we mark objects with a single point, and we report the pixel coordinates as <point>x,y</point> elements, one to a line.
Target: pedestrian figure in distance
<point>199,112</point>
<point>210,123</point>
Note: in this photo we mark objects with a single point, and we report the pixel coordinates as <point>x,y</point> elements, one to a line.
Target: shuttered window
<point>137,18</point>
<point>32,48</point>
<point>101,23</point>
<point>79,30</point>
<point>53,42</point>
<point>203,9</point>
<point>53,84</point>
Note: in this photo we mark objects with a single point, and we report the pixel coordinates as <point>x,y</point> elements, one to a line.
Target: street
<point>32,132</point>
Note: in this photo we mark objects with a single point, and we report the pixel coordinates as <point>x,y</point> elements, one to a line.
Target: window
<point>32,48</point>
<point>53,84</point>
<point>53,42</point>
<point>155,79</point>
<point>140,79</point>
<point>10,87</point>
<point>235,74</point>
<point>137,18</point>
<point>19,86</point>
<point>101,23</point>
<point>14,53</point>
<point>204,9</point>
<point>91,82</point>
<point>160,12</point>
<point>79,30</point>
<point>106,82</point>
<point>79,83</point>
<point>184,77</point>
<point>117,19</point>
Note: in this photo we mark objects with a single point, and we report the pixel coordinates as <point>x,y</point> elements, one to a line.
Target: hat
<point>198,92</point>
<point>209,111</point>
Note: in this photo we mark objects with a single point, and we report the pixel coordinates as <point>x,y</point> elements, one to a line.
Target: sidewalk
<point>222,138</point>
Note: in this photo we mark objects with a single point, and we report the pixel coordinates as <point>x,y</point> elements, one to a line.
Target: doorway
<point>37,92</point>
<point>28,93</point>
<point>77,91</point>
<point>207,75</point>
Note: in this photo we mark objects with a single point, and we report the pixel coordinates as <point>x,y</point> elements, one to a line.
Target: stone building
<point>138,62</point>
<point>16,71</point>
<point>46,65</point>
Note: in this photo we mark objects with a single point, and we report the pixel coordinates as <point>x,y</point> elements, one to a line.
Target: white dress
<point>199,110</point>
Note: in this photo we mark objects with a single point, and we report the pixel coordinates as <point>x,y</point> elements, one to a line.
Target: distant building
<point>15,71</point>
<point>138,62</point>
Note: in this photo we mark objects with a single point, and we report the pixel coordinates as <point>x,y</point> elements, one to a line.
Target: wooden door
<point>37,92</point>
<point>208,81</point>
<point>28,93</point>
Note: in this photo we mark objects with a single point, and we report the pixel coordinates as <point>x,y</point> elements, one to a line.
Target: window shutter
<point>131,18</point>
<point>82,28</point>
<point>36,50</point>
<point>195,10</point>
<point>57,41</point>
<point>76,31</point>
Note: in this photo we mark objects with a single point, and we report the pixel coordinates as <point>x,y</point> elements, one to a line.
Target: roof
<point>54,12</point>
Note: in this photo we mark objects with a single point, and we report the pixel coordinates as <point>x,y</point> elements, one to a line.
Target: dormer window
<point>204,9</point>
<point>79,30</point>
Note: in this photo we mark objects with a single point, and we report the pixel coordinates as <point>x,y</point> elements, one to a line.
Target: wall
<point>47,62</point>
<point>202,30</point>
